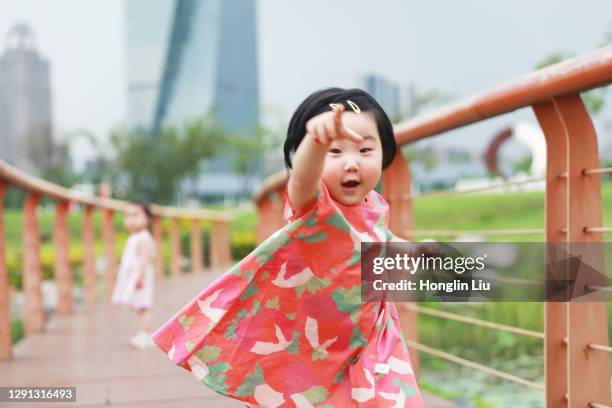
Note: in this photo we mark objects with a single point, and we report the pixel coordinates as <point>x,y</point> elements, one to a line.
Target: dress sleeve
<point>322,198</point>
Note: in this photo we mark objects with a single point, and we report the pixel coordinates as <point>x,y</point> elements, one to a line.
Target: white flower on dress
<point>400,366</point>
<point>213,313</point>
<point>171,352</point>
<point>364,394</point>
<point>198,368</point>
<point>312,334</point>
<point>296,280</point>
<point>301,401</point>
<point>264,347</point>
<point>399,398</point>
<point>266,396</point>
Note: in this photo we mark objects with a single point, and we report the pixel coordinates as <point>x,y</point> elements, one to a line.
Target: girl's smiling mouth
<point>350,184</point>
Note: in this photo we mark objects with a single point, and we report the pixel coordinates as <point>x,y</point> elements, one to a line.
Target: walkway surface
<point>89,350</point>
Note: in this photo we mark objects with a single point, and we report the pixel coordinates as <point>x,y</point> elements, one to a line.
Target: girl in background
<point>136,277</point>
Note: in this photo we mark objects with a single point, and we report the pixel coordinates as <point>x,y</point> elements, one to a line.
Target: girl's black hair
<point>146,208</point>
<point>318,102</point>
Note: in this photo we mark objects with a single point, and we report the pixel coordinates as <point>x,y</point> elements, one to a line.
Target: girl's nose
<point>350,165</point>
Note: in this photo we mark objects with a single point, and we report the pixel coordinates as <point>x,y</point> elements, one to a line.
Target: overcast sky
<point>456,47</point>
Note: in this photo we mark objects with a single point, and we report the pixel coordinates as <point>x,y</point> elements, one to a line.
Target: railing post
<point>89,268</point>
<point>6,348</point>
<point>158,236</point>
<point>108,234</point>
<point>270,213</point>
<point>196,247</point>
<point>63,272</point>
<point>588,369</point>
<point>555,313</point>
<point>32,272</point>
<point>397,189</point>
<point>175,247</point>
<point>219,244</point>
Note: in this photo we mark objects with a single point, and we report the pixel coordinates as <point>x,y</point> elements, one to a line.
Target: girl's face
<point>351,169</point>
<point>135,218</point>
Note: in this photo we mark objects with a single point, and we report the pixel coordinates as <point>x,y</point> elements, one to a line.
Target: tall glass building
<point>26,137</point>
<point>186,57</point>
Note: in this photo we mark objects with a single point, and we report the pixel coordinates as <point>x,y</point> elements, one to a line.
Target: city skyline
<point>26,136</point>
<point>405,43</point>
<point>175,48</point>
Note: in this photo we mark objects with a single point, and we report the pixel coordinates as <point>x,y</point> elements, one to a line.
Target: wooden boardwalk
<point>89,350</point>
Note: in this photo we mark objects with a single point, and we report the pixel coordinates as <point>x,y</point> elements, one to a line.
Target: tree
<point>153,167</point>
<point>594,100</point>
<point>49,159</point>
<point>250,152</point>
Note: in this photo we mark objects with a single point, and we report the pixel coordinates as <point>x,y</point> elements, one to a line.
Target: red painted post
<point>196,247</point>
<point>32,271</point>
<point>6,349</point>
<point>89,268</point>
<point>175,247</point>
<point>270,213</point>
<point>108,234</point>
<point>588,369</point>
<point>220,254</point>
<point>397,189</point>
<point>158,236</point>
<point>63,272</point>
<point>555,313</point>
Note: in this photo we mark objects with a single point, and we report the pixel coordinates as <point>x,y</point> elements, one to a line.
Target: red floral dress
<point>285,327</point>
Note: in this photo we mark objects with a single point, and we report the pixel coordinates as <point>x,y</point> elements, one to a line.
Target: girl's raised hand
<point>328,126</point>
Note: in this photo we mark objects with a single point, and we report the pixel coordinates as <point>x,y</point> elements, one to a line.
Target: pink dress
<point>285,327</point>
<point>125,292</point>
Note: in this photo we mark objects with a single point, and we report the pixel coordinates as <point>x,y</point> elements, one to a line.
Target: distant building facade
<point>26,139</point>
<point>187,57</point>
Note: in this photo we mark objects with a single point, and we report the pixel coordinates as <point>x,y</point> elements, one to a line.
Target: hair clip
<point>353,106</point>
<point>334,105</point>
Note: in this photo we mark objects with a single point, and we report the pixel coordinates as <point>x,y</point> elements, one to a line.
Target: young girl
<point>286,326</point>
<point>136,277</point>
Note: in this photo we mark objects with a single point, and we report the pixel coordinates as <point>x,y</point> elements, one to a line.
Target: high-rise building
<point>385,92</point>
<point>25,103</point>
<point>186,58</point>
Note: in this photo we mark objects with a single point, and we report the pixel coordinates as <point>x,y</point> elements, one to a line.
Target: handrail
<point>575,75</point>
<point>271,183</point>
<point>14,176</point>
<point>218,244</point>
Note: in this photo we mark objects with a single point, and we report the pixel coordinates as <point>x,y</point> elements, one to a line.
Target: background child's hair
<point>146,208</point>
<point>318,102</point>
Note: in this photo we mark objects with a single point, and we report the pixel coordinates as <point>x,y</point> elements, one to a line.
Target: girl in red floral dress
<point>286,327</point>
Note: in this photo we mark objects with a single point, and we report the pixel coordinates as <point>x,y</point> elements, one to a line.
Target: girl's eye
<point>366,149</point>
<point>335,150</point>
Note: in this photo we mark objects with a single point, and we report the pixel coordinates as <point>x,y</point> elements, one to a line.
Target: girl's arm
<point>143,260</point>
<point>309,157</point>
<point>308,161</point>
